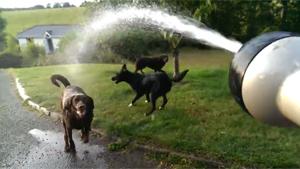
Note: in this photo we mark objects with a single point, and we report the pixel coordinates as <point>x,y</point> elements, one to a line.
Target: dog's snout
<point>113,78</point>
<point>81,107</point>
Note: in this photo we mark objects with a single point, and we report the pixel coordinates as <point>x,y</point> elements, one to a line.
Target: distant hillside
<point>20,20</point>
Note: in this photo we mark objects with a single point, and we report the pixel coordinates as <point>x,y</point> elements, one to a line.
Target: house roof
<point>38,31</point>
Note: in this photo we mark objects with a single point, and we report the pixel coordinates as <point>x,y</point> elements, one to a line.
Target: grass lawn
<point>20,20</point>
<point>201,116</point>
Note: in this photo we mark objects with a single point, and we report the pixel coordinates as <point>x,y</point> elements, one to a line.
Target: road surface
<point>29,140</point>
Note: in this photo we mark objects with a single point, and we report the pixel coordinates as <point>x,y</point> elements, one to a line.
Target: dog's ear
<point>90,103</point>
<point>124,67</point>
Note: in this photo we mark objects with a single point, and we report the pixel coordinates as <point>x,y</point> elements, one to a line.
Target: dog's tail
<point>180,76</point>
<point>60,78</point>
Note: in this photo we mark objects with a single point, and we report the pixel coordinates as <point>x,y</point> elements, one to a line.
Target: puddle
<point>49,152</point>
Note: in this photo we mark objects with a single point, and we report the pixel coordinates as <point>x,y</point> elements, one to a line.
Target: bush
<point>8,60</point>
<point>34,55</point>
<point>12,45</point>
<point>133,43</point>
<point>110,46</point>
<point>33,50</point>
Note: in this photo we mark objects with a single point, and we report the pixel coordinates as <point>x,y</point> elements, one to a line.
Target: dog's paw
<point>67,149</point>
<point>73,150</point>
<point>130,105</point>
<point>85,140</point>
<point>146,101</point>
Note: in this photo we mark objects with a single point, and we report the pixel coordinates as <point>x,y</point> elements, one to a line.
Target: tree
<point>48,5</point>
<point>12,45</point>
<point>174,40</point>
<point>66,5</point>
<point>2,34</point>
<point>38,7</point>
<point>57,5</point>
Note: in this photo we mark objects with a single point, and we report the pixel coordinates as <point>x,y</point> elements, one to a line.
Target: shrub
<point>34,55</point>
<point>10,60</point>
<point>110,46</point>
<point>132,43</point>
<point>12,45</point>
<point>33,50</point>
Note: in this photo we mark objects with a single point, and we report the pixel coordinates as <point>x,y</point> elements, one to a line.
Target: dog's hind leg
<point>147,98</point>
<point>136,70</point>
<point>165,101</point>
<point>153,98</point>
<point>138,95</point>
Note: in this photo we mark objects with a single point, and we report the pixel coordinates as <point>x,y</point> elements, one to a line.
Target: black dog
<point>153,86</point>
<point>77,110</point>
<point>154,63</point>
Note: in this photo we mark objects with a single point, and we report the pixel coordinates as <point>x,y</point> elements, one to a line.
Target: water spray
<point>152,18</point>
<point>264,74</point>
<point>264,78</point>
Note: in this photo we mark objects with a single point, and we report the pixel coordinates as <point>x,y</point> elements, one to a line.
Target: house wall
<point>38,41</point>
<point>22,43</point>
<point>55,42</point>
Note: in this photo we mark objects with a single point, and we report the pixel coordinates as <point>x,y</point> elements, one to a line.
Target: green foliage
<point>129,43</point>
<point>33,54</point>
<point>133,43</point>
<point>2,34</point>
<point>12,45</point>
<point>33,50</point>
<point>118,145</point>
<point>57,5</point>
<point>173,38</point>
<point>8,60</point>
<point>244,20</point>
<point>290,15</point>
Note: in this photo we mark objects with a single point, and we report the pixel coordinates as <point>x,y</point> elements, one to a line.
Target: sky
<point>30,3</point>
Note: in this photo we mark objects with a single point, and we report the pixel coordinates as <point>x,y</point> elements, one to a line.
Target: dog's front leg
<point>85,135</point>
<point>67,145</point>
<point>72,145</point>
<point>138,95</point>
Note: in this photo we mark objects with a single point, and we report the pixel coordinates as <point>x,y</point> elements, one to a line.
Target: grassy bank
<point>20,20</point>
<point>201,116</point>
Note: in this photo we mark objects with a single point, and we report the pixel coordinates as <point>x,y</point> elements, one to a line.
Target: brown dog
<point>154,63</point>
<point>77,109</point>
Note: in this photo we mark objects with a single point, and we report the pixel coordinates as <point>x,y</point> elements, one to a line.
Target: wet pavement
<point>29,140</point>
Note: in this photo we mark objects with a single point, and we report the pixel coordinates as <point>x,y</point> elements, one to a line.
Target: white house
<point>45,35</point>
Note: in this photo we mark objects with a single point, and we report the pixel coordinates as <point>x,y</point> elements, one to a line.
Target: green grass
<point>201,116</point>
<point>20,20</point>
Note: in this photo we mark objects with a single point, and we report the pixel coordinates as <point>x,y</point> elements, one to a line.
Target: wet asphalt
<point>31,140</point>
